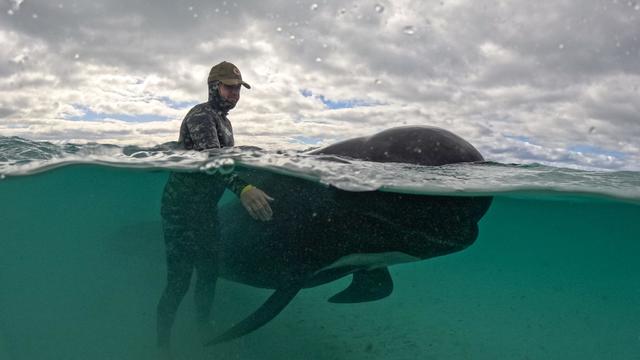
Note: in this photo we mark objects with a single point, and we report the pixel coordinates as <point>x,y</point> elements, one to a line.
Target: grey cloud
<point>4,112</point>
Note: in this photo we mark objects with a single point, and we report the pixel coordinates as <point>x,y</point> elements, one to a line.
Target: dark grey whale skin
<point>315,225</point>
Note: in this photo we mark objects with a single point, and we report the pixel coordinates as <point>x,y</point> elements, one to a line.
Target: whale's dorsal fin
<point>366,286</point>
<point>272,307</point>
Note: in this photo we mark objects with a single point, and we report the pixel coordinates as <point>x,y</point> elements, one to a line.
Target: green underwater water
<point>553,275</point>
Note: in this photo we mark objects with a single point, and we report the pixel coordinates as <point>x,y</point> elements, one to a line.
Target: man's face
<point>231,93</point>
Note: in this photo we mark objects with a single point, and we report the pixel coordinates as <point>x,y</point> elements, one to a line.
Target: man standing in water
<point>189,205</point>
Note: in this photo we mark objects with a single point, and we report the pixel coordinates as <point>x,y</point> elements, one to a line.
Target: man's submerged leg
<point>203,296</point>
<point>179,274</point>
<point>206,279</point>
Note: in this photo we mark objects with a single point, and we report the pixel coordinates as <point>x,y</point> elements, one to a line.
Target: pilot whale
<point>319,233</point>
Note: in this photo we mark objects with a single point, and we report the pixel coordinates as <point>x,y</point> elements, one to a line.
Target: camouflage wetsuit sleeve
<point>204,130</point>
<point>234,183</point>
<point>203,134</point>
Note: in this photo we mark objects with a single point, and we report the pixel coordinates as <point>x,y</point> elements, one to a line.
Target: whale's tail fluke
<point>272,307</point>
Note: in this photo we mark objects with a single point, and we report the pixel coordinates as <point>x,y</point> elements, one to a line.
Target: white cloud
<point>561,74</point>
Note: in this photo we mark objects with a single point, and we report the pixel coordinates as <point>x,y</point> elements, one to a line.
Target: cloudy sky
<point>551,81</point>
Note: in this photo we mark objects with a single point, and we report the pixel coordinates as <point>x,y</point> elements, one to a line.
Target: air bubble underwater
<point>222,166</point>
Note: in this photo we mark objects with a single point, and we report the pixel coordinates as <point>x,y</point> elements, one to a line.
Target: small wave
<point>21,157</point>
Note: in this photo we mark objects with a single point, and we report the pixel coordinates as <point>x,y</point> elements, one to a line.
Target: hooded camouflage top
<point>205,127</point>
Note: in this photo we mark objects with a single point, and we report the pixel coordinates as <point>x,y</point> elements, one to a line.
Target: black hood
<point>216,101</point>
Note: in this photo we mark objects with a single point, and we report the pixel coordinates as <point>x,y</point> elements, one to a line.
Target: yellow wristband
<point>246,188</point>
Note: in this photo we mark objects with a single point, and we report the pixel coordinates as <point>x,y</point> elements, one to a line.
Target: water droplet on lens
<point>190,8</point>
<point>10,12</point>
<point>325,46</point>
<point>377,82</point>
<point>35,16</point>
<point>637,7</point>
<point>318,59</point>
<point>343,11</point>
<point>279,29</point>
<point>292,37</point>
<point>561,46</point>
<point>76,56</point>
<point>313,6</point>
<point>2,176</point>
<point>409,30</point>
<point>379,8</point>
<point>592,129</point>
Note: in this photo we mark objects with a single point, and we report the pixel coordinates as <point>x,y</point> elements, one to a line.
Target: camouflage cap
<point>226,73</point>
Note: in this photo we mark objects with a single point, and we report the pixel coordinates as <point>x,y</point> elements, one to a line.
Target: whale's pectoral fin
<point>366,286</point>
<point>272,307</point>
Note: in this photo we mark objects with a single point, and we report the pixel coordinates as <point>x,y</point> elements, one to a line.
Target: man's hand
<point>256,202</point>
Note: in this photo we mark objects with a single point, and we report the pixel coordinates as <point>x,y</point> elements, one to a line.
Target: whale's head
<point>420,226</point>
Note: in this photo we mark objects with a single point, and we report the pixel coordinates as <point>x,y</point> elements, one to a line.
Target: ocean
<point>554,273</point>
